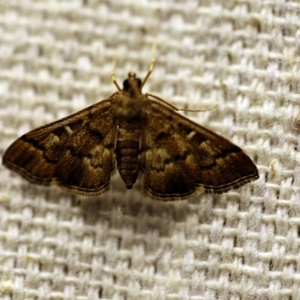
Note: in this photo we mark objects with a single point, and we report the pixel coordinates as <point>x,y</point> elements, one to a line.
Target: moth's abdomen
<point>127,152</point>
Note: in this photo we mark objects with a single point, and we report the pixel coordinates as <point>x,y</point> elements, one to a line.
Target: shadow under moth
<point>138,133</point>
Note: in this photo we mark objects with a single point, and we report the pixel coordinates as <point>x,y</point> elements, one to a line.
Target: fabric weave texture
<point>56,58</point>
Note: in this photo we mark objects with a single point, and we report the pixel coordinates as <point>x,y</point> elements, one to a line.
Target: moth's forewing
<point>179,157</point>
<point>76,152</point>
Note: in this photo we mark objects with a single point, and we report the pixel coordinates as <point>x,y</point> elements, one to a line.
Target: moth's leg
<point>182,109</point>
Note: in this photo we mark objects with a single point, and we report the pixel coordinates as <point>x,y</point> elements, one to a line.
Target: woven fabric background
<point>244,55</point>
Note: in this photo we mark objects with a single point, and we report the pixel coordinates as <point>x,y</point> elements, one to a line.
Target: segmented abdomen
<point>127,151</point>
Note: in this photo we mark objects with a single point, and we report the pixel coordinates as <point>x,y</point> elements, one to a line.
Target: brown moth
<point>142,133</point>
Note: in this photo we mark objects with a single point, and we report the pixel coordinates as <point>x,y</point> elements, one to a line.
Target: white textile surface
<point>244,55</point>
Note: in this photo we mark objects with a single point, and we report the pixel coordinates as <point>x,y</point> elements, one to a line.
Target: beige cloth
<point>56,58</point>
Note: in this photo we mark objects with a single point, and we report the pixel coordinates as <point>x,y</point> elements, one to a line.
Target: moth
<point>141,134</point>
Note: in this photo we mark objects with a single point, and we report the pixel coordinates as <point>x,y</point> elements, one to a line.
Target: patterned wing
<point>76,153</point>
<point>179,157</point>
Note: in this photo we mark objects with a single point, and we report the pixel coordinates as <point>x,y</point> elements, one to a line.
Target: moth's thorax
<point>130,102</point>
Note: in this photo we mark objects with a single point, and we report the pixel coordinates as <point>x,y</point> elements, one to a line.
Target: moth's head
<point>132,84</point>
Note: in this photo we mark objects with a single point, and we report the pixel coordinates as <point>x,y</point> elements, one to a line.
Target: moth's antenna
<point>113,75</point>
<point>152,62</point>
<point>160,99</point>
